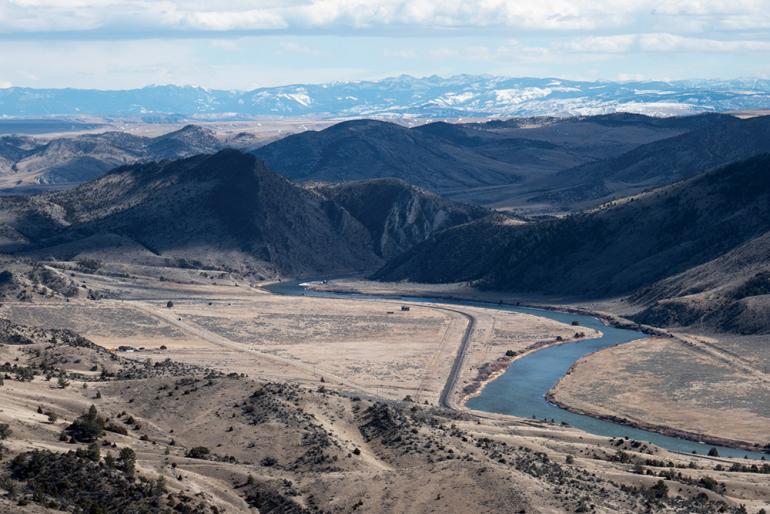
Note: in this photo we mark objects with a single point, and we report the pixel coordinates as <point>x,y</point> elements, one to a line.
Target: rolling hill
<point>482,163</point>
<point>654,244</point>
<point>531,164</point>
<point>659,162</point>
<point>225,211</point>
<point>28,163</point>
<point>365,149</point>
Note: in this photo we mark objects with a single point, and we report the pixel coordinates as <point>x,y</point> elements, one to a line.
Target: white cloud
<point>253,19</point>
<point>662,42</point>
<point>403,54</point>
<point>719,14</point>
<point>5,84</point>
<point>674,43</point>
<point>602,44</point>
<point>220,42</point>
<point>299,15</point>
<point>297,48</point>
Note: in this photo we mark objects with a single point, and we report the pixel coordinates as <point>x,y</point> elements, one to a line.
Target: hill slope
<point>730,293</point>
<point>660,162</point>
<point>477,162</point>
<point>500,163</point>
<point>366,149</point>
<point>225,211</point>
<point>398,215</point>
<point>614,250</point>
<point>67,161</point>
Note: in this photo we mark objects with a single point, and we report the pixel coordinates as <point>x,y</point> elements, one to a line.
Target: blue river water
<point>521,390</point>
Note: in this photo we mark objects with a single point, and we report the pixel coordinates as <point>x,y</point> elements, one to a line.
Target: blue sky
<point>240,44</point>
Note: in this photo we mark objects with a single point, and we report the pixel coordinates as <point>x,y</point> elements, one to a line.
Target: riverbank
<point>460,293</point>
<point>663,430</point>
<point>631,385</point>
<point>499,366</point>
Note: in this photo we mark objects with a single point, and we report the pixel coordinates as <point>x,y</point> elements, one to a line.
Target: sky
<point>240,44</point>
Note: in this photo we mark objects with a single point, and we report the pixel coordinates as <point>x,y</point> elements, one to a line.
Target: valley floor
<point>317,405</point>
<point>712,385</point>
<point>672,387</point>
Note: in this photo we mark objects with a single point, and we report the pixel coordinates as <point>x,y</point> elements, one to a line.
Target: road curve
<point>445,398</point>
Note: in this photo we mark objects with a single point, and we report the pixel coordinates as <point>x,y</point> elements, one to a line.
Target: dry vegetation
<point>667,383</point>
<point>243,400</point>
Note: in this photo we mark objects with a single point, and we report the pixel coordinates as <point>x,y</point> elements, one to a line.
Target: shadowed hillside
<point>396,214</point>
<point>508,163</point>
<point>226,211</point>
<point>502,163</point>
<point>614,250</point>
<point>365,149</point>
<point>660,162</point>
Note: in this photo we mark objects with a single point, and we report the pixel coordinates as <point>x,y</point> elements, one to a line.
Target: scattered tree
<point>659,491</point>
<point>159,486</point>
<point>709,483</point>
<point>91,452</point>
<point>88,427</point>
<point>127,460</point>
<point>198,452</point>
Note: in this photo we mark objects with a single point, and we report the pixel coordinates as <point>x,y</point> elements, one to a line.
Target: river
<point>521,390</point>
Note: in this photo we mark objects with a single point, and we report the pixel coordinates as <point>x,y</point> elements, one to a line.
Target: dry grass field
<point>299,404</point>
<point>666,383</point>
<point>370,345</point>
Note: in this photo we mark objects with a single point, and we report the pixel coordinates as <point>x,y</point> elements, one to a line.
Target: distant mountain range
<point>431,97</point>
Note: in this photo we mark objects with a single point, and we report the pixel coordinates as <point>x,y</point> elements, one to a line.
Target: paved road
<point>445,398</point>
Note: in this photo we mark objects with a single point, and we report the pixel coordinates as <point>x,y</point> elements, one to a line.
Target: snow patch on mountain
<point>402,96</point>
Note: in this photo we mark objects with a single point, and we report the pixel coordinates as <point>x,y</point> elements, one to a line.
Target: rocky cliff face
<point>398,215</point>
